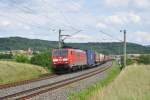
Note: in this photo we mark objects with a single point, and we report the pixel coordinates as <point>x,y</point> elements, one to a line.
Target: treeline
<point>42,59</point>
<point>142,59</point>
<point>6,56</point>
<point>17,43</point>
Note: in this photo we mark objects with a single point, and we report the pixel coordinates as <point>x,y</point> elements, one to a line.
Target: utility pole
<point>124,48</point>
<point>60,42</point>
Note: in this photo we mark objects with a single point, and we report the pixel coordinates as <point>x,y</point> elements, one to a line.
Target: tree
<point>22,59</point>
<point>6,56</point>
<point>145,59</point>
<point>42,59</point>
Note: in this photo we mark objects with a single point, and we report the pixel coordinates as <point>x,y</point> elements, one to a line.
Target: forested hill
<point>148,45</point>
<point>16,43</point>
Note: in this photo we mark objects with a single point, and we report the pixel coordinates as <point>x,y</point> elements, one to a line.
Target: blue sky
<point>41,19</point>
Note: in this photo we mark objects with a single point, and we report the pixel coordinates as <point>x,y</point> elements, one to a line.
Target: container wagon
<point>90,57</point>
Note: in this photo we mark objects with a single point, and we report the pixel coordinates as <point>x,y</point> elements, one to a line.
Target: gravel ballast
<point>12,90</point>
<point>63,93</point>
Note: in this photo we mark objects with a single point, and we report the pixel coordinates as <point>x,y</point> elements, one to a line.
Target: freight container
<point>90,57</point>
<point>97,58</point>
<point>105,58</point>
<point>101,57</point>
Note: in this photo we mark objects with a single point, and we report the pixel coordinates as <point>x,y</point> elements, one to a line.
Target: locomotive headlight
<point>54,60</point>
<point>65,59</point>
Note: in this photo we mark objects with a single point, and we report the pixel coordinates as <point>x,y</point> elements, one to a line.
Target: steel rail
<point>27,94</point>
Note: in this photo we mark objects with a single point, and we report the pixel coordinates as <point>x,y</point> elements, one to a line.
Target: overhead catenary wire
<point>110,36</point>
<point>72,35</point>
<point>87,12</point>
<point>116,45</point>
<point>27,8</point>
<point>31,10</point>
<point>64,16</point>
<point>24,9</point>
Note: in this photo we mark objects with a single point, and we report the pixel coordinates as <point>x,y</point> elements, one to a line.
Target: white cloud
<point>27,27</point>
<point>40,16</point>
<point>134,17</point>
<point>116,3</point>
<point>69,6</point>
<point>127,3</point>
<point>123,18</point>
<point>141,37</point>
<point>144,36</point>
<point>101,25</point>
<point>142,3</point>
<point>116,19</point>
<point>5,23</point>
<point>81,36</point>
<point>73,6</point>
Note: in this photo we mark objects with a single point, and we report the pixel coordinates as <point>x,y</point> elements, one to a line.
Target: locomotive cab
<point>68,58</point>
<point>60,56</point>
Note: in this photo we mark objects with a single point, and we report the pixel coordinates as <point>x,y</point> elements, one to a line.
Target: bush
<point>129,61</point>
<point>22,59</point>
<point>42,59</point>
<point>144,59</point>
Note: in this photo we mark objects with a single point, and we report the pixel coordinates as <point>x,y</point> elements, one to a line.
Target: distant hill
<point>16,43</point>
<point>148,45</point>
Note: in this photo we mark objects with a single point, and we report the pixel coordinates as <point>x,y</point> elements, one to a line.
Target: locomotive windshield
<point>61,52</point>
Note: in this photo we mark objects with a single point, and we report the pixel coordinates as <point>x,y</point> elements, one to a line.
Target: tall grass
<point>132,84</point>
<point>87,93</point>
<point>12,71</point>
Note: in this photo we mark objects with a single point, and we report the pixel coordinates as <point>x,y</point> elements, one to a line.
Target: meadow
<point>132,84</point>
<point>13,71</point>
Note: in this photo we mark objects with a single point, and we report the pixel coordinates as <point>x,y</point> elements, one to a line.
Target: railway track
<point>27,94</point>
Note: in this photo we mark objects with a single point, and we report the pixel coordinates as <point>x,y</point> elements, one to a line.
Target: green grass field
<point>13,72</point>
<point>132,84</point>
<point>87,93</point>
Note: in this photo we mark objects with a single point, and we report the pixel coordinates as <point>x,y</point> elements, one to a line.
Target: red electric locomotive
<point>68,58</point>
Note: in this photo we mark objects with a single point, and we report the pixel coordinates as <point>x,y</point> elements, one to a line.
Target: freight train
<point>69,59</point>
